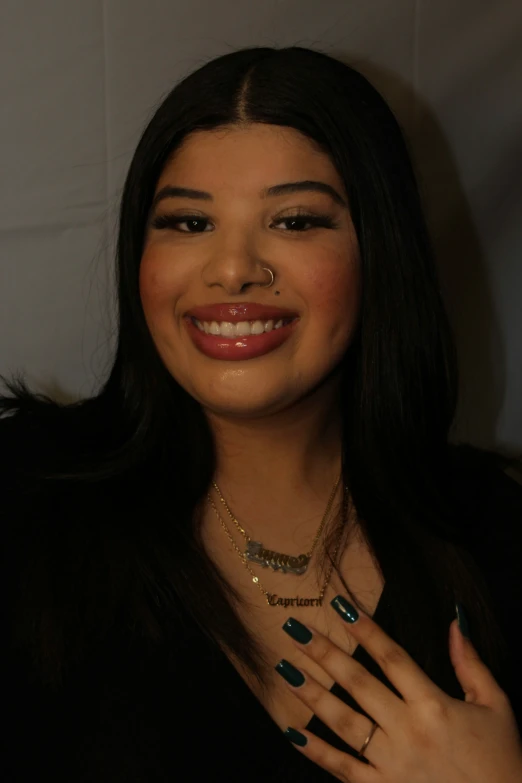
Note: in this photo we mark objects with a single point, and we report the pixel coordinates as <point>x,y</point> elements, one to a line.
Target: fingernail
<point>290,673</point>
<point>297,631</point>
<point>462,620</point>
<point>343,608</point>
<point>296,737</point>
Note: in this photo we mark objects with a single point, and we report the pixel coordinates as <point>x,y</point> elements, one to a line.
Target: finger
<point>476,679</point>
<point>341,765</point>
<point>399,667</point>
<point>372,695</point>
<point>349,725</point>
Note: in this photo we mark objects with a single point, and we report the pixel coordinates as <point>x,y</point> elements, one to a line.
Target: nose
<point>235,267</point>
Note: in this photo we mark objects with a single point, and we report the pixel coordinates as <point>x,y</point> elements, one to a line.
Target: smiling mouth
<point>241,328</point>
<point>240,347</point>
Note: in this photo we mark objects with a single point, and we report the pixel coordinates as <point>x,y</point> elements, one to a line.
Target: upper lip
<point>241,311</point>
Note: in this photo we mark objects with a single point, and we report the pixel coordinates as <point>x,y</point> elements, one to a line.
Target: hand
<point>425,737</point>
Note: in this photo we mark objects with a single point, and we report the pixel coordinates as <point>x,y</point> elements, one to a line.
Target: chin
<point>242,410</point>
<point>243,406</point>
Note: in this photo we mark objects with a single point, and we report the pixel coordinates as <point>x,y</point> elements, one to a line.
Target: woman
<point>271,445</point>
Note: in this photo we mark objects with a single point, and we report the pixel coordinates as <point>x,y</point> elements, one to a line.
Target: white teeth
<point>241,329</point>
<point>227,329</point>
<point>257,327</point>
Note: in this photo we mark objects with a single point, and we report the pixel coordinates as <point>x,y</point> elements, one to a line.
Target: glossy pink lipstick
<point>239,347</point>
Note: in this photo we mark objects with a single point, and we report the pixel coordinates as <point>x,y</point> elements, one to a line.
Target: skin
<point>425,736</point>
<point>276,422</point>
<point>275,418</point>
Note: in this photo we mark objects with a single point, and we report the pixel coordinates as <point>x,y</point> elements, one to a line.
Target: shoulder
<point>490,497</point>
<point>17,453</point>
<point>64,559</point>
<point>487,482</point>
<point>28,442</point>
<point>11,432</point>
<point>504,493</point>
<point>26,451</point>
<point>40,514</point>
<point>488,502</point>
<point>500,529</point>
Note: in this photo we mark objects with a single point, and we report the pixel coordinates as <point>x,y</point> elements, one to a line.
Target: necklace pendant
<point>277,561</point>
<point>273,599</point>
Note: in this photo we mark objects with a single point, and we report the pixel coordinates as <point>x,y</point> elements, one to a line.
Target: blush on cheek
<point>150,289</point>
<point>152,283</point>
<point>336,301</point>
<point>161,280</point>
<point>334,288</point>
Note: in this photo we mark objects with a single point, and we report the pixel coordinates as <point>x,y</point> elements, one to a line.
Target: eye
<point>172,221</point>
<point>298,222</point>
<point>315,221</point>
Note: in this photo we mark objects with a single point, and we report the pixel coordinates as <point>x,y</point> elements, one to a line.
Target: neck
<point>286,461</point>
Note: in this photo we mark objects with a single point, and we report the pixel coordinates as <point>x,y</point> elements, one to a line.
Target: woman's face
<point>219,259</point>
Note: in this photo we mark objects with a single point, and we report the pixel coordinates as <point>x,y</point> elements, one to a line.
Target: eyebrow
<point>171,191</point>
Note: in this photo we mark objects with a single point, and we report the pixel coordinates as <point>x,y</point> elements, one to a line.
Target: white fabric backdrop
<point>79,80</point>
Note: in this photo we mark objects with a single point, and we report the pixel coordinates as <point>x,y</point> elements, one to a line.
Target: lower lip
<point>238,348</point>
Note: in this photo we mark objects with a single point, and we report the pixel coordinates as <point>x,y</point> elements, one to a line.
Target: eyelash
<point>317,221</point>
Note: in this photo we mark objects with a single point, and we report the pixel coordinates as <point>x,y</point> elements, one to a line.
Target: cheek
<point>159,291</point>
<point>157,287</point>
<point>335,292</point>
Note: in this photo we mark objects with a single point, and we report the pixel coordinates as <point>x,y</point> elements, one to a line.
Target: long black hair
<point>123,472</point>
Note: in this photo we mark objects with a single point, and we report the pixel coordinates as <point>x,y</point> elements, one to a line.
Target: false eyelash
<point>170,221</point>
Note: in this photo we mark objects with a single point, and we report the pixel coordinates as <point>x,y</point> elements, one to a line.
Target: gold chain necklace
<point>273,599</point>
<point>256,552</point>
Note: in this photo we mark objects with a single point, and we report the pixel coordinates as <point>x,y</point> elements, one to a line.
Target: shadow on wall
<point>461,262</point>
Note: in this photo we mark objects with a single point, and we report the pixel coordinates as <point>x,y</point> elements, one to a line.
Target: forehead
<point>253,156</point>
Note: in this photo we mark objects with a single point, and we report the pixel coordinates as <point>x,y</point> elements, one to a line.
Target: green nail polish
<point>296,737</point>
<point>290,673</point>
<point>462,620</point>
<point>343,608</point>
<point>297,631</point>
